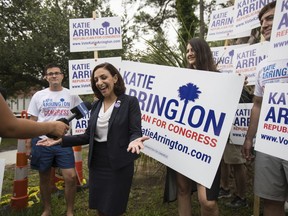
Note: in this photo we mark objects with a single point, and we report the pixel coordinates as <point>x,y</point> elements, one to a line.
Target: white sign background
<point>279,35</point>
<point>221,25</point>
<point>246,59</point>
<point>246,14</point>
<point>88,34</point>
<point>223,57</point>
<point>272,137</point>
<point>152,83</point>
<point>240,123</point>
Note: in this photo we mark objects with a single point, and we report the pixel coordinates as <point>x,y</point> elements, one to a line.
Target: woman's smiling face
<point>191,55</point>
<point>105,82</point>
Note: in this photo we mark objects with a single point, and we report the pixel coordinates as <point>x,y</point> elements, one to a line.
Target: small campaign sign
<point>272,133</point>
<point>223,57</point>
<point>246,14</point>
<point>221,26</point>
<point>240,123</point>
<point>279,35</point>
<point>89,34</point>
<point>246,59</point>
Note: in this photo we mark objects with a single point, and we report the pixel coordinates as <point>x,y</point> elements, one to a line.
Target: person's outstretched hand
<point>247,150</point>
<point>48,142</point>
<point>136,145</point>
<point>59,128</point>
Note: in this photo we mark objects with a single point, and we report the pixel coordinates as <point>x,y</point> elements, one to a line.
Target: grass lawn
<point>146,196</point>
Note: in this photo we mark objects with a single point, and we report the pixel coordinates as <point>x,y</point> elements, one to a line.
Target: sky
<point>116,7</point>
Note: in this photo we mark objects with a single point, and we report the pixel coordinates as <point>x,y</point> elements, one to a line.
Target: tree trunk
<point>202,23</point>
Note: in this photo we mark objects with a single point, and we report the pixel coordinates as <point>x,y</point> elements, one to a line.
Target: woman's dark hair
<point>204,57</point>
<point>266,8</point>
<point>119,87</point>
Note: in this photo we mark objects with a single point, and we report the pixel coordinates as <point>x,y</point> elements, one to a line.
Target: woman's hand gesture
<point>136,145</point>
<point>48,142</point>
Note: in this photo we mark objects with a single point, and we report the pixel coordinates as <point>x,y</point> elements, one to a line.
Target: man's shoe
<point>237,202</point>
<point>224,193</point>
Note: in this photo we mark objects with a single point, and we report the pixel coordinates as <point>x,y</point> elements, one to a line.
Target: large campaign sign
<point>80,73</point>
<point>246,14</point>
<point>240,123</point>
<point>186,113</point>
<point>223,56</point>
<point>272,134</point>
<point>221,25</point>
<point>246,59</point>
<point>89,34</point>
<point>279,35</point>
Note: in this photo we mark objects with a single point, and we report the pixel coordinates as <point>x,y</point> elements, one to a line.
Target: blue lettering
<point>81,124</point>
<point>283,21</point>
<point>282,115</point>
<point>138,79</point>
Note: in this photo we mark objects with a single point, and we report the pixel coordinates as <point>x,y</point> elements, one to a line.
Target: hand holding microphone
<point>78,112</point>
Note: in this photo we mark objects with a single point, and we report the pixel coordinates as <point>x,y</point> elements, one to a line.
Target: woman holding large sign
<point>199,56</point>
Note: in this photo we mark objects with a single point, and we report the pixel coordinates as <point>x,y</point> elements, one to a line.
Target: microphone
<point>79,111</point>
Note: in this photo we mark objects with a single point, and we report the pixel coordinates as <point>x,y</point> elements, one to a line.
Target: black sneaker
<point>224,193</point>
<point>237,202</point>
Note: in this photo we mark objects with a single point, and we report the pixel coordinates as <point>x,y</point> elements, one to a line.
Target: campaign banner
<point>240,123</point>
<point>186,113</point>
<point>223,57</point>
<point>272,133</point>
<point>221,25</point>
<point>80,73</point>
<point>279,35</point>
<point>247,58</point>
<point>2,169</point>
<point>89,34</point>
<point>246,14</point>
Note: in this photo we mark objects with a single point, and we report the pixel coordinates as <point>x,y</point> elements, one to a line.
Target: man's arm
<point>28,143</point>
<point>11,127</point>
<point>252,129</point>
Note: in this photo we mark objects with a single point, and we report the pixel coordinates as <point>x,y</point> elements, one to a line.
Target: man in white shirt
<point>49,104</point>
<point>271,173</point>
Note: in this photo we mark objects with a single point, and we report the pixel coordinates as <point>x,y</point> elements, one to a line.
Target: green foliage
<point>146,195</point>
<point>187,17</point>
<point>34,33</point>
<point>160,52</point>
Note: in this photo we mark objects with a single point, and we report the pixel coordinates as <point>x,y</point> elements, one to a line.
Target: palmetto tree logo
<point>105,24</point>
<point>188,92</point>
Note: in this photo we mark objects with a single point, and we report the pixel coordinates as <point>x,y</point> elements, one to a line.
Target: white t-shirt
<point>275,71</point>
<point>50,105</point>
